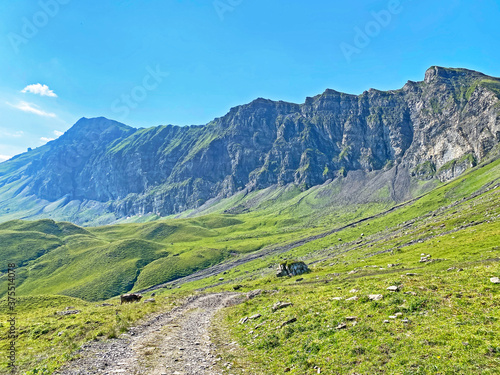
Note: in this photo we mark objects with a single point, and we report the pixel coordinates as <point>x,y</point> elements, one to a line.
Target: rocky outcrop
<point>436,128</point>
<point>291,269</point>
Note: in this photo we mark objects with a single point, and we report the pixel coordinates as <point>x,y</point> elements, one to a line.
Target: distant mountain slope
<point>101,171</point>
<point>101,262</point>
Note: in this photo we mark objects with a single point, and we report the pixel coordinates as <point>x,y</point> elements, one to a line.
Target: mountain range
<point>380,146</point>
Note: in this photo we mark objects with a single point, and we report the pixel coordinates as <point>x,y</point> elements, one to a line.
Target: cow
<point>132,297</point>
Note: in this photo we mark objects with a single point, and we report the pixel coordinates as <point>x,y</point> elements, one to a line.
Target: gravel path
<point>174,342</point>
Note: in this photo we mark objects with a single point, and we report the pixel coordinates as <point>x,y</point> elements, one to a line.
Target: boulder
<point>291,268</point>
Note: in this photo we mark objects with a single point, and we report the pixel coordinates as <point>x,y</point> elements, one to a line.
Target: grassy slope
<point>453,315</point>
<point>98,263</point>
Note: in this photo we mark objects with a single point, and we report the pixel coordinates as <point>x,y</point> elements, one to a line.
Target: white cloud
<point>39,89</point>
<point>31,108</point>
<point>15,135</point>
<point>57,133</point>
<point>45,139</point>
<point>4,158</point>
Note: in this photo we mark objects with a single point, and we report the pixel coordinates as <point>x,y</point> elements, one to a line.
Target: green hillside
<point>96,263</point>
<point>444,319</point>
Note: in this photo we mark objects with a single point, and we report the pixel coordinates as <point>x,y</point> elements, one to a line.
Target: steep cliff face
<point>435,128</point>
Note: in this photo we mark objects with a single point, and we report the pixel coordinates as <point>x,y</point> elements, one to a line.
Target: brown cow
<point>132,297</point>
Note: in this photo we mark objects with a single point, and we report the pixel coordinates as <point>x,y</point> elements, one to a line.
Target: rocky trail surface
<point>173,342</point>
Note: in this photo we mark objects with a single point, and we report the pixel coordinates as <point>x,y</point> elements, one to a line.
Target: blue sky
<point>152,62</point>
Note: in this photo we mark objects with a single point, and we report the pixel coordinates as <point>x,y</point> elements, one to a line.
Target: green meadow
<point>443,319</point>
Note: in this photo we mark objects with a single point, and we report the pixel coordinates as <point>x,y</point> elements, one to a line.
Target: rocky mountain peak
<point>428,130</point>
<point>436,73</point>
<point>98,125</point>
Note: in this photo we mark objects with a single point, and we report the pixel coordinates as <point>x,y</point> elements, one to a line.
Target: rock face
<point>431,129</point>
<point>291,269</point>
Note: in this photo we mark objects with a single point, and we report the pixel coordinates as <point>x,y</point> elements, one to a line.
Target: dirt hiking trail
<point>173,342</point>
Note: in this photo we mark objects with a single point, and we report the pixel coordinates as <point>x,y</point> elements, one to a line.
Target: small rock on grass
<point>256,316</point>
<point>281,305</point>
<point>342,326</point>
<point>68,312</point>
<point>254,293</point>
<point>375,297</point>
<point>290,321</point>
<point>355,298</point>
<point>393,288</point>
<point>495,280</point>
